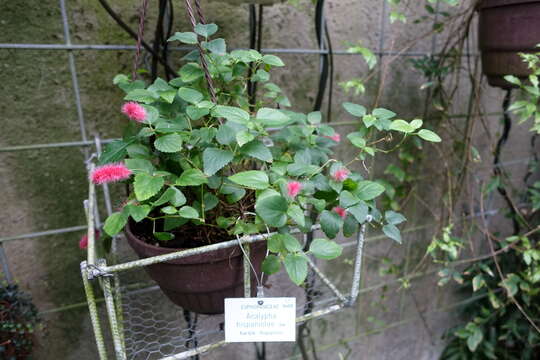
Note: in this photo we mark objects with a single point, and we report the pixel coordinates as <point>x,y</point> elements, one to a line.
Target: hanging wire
<point>140,34</point>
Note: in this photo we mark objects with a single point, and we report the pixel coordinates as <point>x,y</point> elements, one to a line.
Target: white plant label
<point>260,319</point>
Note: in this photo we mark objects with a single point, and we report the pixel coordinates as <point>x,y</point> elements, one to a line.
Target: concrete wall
<point>44,189</point>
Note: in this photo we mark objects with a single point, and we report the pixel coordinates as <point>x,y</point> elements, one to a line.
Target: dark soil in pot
<point>506,28</point>
<point>197,283</point>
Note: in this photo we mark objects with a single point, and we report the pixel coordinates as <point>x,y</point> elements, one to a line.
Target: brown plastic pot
<point>506,28</point>
<point>200,283</point>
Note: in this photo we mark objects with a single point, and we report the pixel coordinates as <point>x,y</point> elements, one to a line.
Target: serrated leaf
<point>146,186</point>
<point>190,95</point>
<point>271,265</point>
<point>272,117</point>
<point>115,223</point>
<point>359,211</point>
<point>257,150</point>
<point>297,214</point>
<point>138,212</point>
<point>142,95</point>
<point>331,223</point>
<point>188,212</point>
<point>291,243</point>
<point>394,218</point>
<point>192,177</point>
<point>243,137</point>
<point>296,266</point>
<point>429,135</point>
<point>368,190</point>
<point>392,232</point>
<point>272,60</point>
<point>185,37</point>
<point>347,199</point>
<point>169,143</point>
<point>275,243</point>
<point>216,46</point>
<point>114,152</point>
<point>231,113</point>
<point>215,159</point>
<point>253,179</point>
<point>191,72</point>
<point>325,249</point>
<point>354,109</point>
<point>273,210</point>
<point>206,30</point>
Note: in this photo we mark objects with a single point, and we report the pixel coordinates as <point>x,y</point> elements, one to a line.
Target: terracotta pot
<point>200,283</point>
<point>507,27</point>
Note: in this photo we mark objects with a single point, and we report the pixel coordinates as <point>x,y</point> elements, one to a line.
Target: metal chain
<point>140,34</point>
<point>204,64</point>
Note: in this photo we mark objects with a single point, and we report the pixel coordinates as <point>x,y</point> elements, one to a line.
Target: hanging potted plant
<point>204,167</point>
<point>505,29</point>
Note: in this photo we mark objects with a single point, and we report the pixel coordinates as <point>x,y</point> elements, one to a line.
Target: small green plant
<point>18,320</point>
<point>528,106</point>
<point>210,166</point>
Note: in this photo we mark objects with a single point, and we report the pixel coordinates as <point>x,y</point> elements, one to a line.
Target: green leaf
<point>297,214</point>
<point>331,222</point>
<point>354,109</point>
<point>169,143</point>
<point>171,195</point>
<point>271,265</point>
<point>368,190</point>
<point>225,134</point>
<point>196,113</point>
<point>394,218</point>
<point>402,126</point>
<point>168,96</point>
<point>191,72</point>
<point>325,249</point>
<point>350,226</point>
<point>475,339</point>
<point>253,179</point>
<point>359,211</point>
<point>146,186</point>
<point>272,60</point>
<point>383,113</point>
<point>291,243</point>
<point>314,117</point>
<point>513,80</point>
<point>231,113</point>
<point>347,199</point>
<point>272,117</point>
<point>185,37</point>
<point>257,150</point>
<point>192,177</point>
<point>163,236</point>
<point>429,135</point>
<point>273,210</point>
<point>206,30</point>
<point>114,152</point>
<point>275,243</point>
<point>243,137</point>
<point>297,268</point>
<point>139,165</point>
<point>215,159</point>
<point>392,232</point>
<point>357,139</point>
<point>142,95</point>
<point>216,46</point>
<point>115,223</point>
<point>188,212</point>
<point>416,123</point>
<point>190,95</point>
<point>169,210</point>
<point>138,212</point>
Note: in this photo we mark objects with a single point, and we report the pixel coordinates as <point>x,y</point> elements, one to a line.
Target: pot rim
<point>489,4</point>
<point>215,255</point>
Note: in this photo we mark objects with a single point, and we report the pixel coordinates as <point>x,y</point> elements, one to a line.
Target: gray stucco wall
<point>44,189</point>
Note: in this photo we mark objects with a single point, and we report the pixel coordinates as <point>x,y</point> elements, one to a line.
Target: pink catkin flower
<point>83,243</point>
<point>110,173</point>
<point>340,211</point>
<point>293,188</point>
<point>340,174</point>
<point>336,137</point>
<point>134,111</point>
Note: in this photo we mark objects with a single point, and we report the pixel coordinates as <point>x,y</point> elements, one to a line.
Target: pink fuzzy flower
<point>340,211</point>
<point>83,243</point>
<point>134,111</point>
<point>336,137</point>
<point>293,188</point>
<point>340,174</point>
<point>110,173</point>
